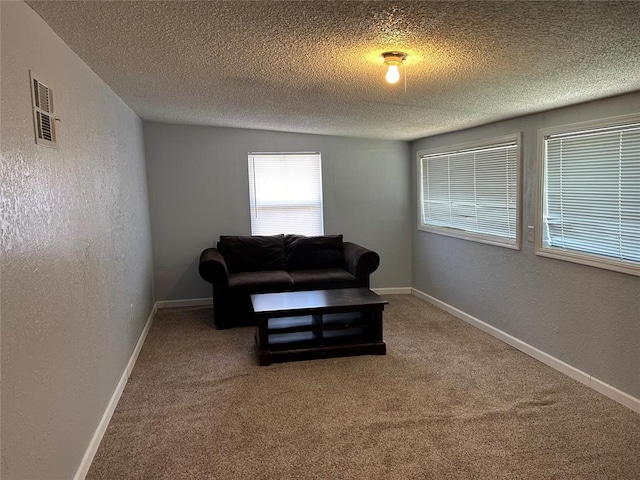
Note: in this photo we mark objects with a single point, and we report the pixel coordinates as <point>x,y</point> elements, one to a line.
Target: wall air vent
<point>43,114</point>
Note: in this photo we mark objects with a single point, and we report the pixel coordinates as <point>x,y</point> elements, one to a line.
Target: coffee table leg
<point>264,359</point>
<point>379,347</point>
<point>262,341</point>
<point>377,321</point>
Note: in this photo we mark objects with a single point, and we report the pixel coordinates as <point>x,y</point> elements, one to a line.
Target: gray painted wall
<point>199,190</point>
<point>584,316</point>
<point>76,252</point>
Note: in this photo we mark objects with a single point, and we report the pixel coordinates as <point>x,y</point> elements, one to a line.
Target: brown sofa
<point>243,265</point>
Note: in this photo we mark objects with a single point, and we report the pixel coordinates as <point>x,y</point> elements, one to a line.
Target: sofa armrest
<point>360,262</point>
<point>213,268</point>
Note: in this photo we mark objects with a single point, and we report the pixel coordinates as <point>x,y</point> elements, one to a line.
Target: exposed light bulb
<point>393,74</point>
<point>392,60</point>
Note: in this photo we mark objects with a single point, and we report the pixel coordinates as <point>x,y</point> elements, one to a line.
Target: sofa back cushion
<point>304,253</point>
<point>252,254</point>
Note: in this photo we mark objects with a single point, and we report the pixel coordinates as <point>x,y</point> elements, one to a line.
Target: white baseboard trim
<point>614,394</point>
<point>393,291</point>
<point>188,302</point>
<point>83,469</point>
<point>599,386</point>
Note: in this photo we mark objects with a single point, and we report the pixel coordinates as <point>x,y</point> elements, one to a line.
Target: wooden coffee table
<point>317,324</point>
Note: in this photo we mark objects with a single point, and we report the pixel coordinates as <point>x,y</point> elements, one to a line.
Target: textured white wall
<point>76,252</point>
<point>584,316</point>
<point>199,190</point>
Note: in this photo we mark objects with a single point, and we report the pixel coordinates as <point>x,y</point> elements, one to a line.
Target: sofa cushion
<point>252,254</point>
<point>322,278</point>
<point>304,253</point>
<point>260,282</point>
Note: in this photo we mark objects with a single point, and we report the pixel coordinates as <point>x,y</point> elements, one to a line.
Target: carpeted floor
<point>447,402</point>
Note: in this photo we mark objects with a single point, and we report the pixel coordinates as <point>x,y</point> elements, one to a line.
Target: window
<point>471,191</point>
<point>285,193</point>
<point>590,199</point>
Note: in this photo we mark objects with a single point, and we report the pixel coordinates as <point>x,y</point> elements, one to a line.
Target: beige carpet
<point>446,402</point>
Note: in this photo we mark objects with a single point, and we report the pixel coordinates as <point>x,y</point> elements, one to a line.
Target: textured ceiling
<point>315,67</point>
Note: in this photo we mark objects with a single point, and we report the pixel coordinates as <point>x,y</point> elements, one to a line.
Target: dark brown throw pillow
<point>304,253</point>
<point>252,254</point>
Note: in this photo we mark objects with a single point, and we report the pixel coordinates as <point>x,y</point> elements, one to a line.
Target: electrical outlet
<point>531,233</point>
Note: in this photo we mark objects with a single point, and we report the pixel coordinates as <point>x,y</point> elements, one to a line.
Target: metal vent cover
<point>43,115</point>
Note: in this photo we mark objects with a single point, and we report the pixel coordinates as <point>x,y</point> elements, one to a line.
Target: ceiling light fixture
<point>393,59</point>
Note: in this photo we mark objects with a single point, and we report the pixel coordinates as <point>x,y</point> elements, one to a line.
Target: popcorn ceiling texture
<point>315,67</point>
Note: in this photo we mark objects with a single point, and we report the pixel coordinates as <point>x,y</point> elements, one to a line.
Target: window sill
<point>472,237</point>
<point>590,260</point>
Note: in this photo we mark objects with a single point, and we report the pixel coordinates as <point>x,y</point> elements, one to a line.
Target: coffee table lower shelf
<point>294,351</point>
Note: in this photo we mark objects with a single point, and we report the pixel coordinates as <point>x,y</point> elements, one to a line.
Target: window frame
<point>583,258</point>
<point>462,234</point>
<point>252,206</point>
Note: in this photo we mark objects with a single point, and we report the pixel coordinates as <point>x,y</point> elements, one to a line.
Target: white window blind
<point>285,193</point>
<point>473,191</point>
<point>591,201</point>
